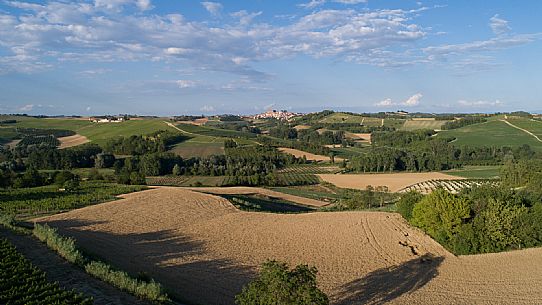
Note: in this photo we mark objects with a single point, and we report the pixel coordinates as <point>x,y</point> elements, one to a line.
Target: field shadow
<point>386,284</point>
<point>181,263</point>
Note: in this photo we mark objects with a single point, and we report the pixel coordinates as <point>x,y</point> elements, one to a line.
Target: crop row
<point>45,199</point>
<point>310,169</point>
<point>36,140</point>
<point>452,186</point>
<point>23,283</point>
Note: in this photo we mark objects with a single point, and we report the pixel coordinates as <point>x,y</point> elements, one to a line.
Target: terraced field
<point>204,250</point>
<point>452,186</point>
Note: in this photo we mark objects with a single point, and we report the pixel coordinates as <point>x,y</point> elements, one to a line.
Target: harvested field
<point>362,137</point>
<point>301,127</point>
<point>205,250</point>
<point>309,156</point>
<point>244,190</point>
<point>394,182</point>
<point>71,141</point>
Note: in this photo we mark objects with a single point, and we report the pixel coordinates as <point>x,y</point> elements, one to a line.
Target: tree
<point>276,285</point>
<point>176,170</point>
<point>440,214</point>
<point>104,160</point>
<point>405,205</point>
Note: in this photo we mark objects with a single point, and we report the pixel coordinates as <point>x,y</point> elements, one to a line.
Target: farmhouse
<point>106,119</point>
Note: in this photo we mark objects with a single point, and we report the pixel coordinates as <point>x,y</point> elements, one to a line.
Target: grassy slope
<point>476,172</point>
<point>97,132</point>
<point>531,125</point>
<point>491,133</point>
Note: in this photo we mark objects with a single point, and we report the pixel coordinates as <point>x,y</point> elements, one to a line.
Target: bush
<point>64,246</point>
<point>405,205</point>
<point>277,284</point>
<point>150,290</point>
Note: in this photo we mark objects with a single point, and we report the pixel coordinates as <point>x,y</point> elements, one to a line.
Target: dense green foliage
<point>22,283</point>
<point>276,285</point>
<point>158,141</point>
<point>481,219</point>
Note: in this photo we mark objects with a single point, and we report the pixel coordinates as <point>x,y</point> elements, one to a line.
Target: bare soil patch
<point>71,141</point>
<point>365,137</point>
<point>394,181</point>
<point>302,127</point>
<point>204,249</point>
<point>299,153</point>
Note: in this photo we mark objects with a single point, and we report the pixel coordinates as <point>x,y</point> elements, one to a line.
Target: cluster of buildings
<point>107,119</point>
<point>276,114</point>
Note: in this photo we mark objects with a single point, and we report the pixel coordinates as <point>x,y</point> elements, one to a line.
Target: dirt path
<point>524,130</point>
<point>183,131</point>
<point>68,276</point>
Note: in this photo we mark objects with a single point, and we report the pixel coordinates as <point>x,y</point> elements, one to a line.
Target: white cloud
<point>245,17</point>
<point>184,83</point>
<point>88,108</point>
<point>28,107</point>
<point>498,25</point>
<point>207,108</point>
<point>410,102</point>
<point>413,100</point>
<point>480,103</point>
<point>385,103</point>
<point>316,3</point>
<point>312,4</point>
<point>214,8</point>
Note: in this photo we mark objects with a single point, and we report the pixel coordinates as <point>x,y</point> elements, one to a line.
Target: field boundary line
<point>183,131</point>
<point>524,130</point>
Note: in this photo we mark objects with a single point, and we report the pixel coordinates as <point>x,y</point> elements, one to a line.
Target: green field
<point>194,148</point>
<point>491,133</point>
<point>262,203</point>
<point>97,133</point>
<point>410,125</point>
<point>533,126</point>
<point>476,172</point>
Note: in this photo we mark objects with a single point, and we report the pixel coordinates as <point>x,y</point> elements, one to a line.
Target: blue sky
<point>179,56</point>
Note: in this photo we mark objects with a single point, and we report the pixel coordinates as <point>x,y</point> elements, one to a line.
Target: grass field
<point>491,133</point>
<point>410,125</point>
<point>97,133</point>
<point>199,147</point>
<point>476,172</point>
<point>533,126</point>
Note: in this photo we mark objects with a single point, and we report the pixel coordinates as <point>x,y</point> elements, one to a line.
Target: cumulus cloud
<point>214,8</point>
<point>207,108</point>
<point>498,26</point>
<point>410,102</point>
<point>385,103</point>
<point>413,100</point>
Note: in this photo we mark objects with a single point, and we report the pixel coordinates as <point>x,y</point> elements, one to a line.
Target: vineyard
<point>262,203</point>
<point>452,186</point>
<point>282,179</point>
<point>310,169</point>
<point>57,133</point>
<point>48,140</point>
<point>23,283</point>
<point>29,202</point>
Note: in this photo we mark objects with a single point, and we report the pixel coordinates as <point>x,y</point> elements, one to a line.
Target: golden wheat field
<point>204,249</point>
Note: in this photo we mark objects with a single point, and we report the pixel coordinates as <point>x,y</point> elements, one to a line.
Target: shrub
<point>149,290</point>
<point>64,246</point>
<point>277,284</point>
<point>405,205</point>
